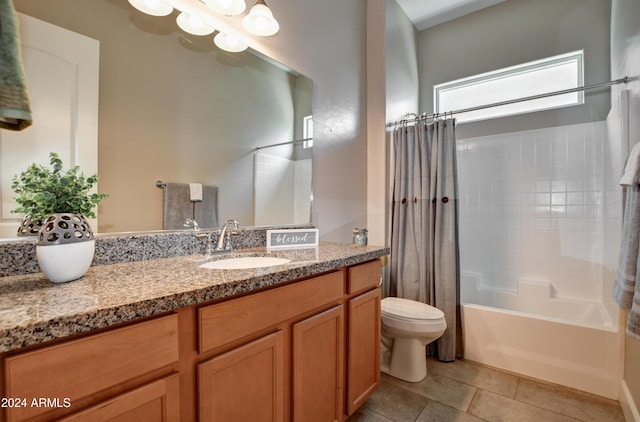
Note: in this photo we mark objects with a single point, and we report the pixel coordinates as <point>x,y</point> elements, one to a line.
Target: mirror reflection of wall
<point>65,99</point>
<point>173,107</point>
<point>282,185</point>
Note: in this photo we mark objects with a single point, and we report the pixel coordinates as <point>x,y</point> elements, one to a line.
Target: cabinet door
<point>363,350</point>
<point>318,368</point>
<point>158,401</point>
<point>244,384</point>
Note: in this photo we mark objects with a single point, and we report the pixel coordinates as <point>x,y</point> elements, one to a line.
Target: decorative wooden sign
<point>292,238</point>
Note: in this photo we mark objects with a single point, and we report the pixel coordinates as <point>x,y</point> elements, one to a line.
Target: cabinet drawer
<point>225,322</point>
<point>156,401</point>
<point>364,276</point>
<point>79,368</point>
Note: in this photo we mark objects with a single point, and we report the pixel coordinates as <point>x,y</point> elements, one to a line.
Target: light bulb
<point>227,7</point>
<point>193,24</point>
<point>229,43</point>
<point>152,7</point>
<point>260,21</point>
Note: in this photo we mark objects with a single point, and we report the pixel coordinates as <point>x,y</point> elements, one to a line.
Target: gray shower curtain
<point>424,229</point>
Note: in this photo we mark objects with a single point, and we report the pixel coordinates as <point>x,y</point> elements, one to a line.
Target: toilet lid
<point>406,309</point>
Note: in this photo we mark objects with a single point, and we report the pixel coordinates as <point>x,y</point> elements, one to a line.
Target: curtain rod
<point>284,143</point>
<point>424,116</point>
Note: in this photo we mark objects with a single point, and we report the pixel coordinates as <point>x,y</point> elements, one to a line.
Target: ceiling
<point>427,13</point>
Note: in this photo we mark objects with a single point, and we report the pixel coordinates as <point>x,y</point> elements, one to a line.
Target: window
<point>538,77</point>
<point>307,131</point>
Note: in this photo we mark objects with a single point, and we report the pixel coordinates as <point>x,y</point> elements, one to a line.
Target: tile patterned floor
<point>462,391</point>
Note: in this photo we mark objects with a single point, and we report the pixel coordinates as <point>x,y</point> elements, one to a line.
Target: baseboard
<point>629,407</point>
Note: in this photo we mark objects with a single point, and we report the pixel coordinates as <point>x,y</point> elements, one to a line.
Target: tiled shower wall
<point>302,191</point>
<point>531,207</point>
<point>281,190</point>
<point>273,189</point>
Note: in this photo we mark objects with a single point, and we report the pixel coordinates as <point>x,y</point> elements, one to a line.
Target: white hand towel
<point>631,174</point>
<point>195,192</point>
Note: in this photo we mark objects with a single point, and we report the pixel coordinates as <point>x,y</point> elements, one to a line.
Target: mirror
<point>175,108</point>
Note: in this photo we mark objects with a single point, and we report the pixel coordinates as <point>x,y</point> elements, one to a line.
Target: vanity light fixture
<point>260,20</point>
<point>229,43</point>
<point>152,7</point>
<point>193,24</point>
<point>197,17</point>
<point>227,7</point>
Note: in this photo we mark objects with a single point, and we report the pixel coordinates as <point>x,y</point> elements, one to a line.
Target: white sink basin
<point>244,263</point>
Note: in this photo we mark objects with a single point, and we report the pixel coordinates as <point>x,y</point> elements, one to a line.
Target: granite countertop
<point>34,310</point>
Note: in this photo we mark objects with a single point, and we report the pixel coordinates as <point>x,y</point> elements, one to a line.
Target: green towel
<point>15,108</point>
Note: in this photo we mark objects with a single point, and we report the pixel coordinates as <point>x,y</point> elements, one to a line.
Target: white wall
<point>402,77</point>
<point>515,32</point>
<point>326,41</point>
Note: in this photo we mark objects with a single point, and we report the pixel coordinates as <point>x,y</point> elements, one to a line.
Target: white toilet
<point>407,327</point>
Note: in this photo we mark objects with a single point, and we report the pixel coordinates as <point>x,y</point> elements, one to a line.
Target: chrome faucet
<point>224,239</point>
<point>225,236</point>
<point>191,222</point>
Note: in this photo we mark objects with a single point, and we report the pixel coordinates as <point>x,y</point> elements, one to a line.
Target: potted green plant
<point>56,204</point>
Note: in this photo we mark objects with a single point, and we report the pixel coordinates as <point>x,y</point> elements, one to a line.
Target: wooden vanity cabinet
<point>307,351</point>
<point>310,352</point>
<point>280,354</point>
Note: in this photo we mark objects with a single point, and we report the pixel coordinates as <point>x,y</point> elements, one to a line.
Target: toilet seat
<point>409,310</point>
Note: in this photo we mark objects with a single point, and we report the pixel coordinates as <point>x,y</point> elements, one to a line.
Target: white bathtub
<point>576,344</point>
